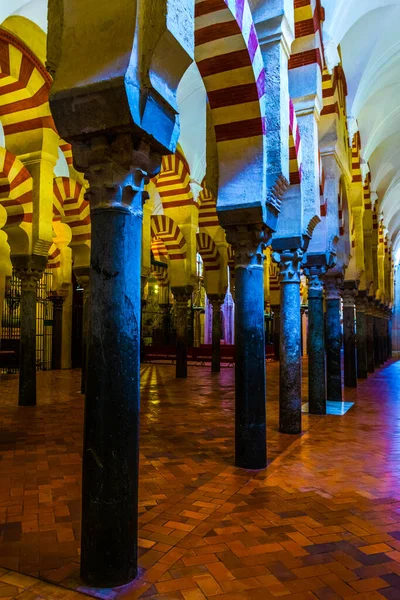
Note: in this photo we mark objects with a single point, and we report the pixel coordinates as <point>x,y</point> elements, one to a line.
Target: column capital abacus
<point>349,298</point>
<point>29,269</point>
<point>182,295</point>
<point>117,167</point>
<point>216,300</point>
<point>248,242</point>
<point>333,287</point>
<point>29,278</point>
<point>57,298</point>
<point>315,274</point>
<point>289,263</point>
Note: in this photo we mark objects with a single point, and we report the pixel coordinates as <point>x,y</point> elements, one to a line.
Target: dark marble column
<point>316,341</point>
<point>250,392</point>
<point>276,309</point>
<point>82,277</point>
<point>117,168</point>
<point>333,339</point>
<point>370,337</point>
<point>290,341</point>
<point>377,345</point>
<point>182,296</point>
<point>361,337</point>
<point>349,335</point>
<point>381,326</point>
<point>166,322</point>
<point>390,339</point>
<point>56,347</point>
<point>384,335</point>
<point>29,269</point>
<point>216,301</point>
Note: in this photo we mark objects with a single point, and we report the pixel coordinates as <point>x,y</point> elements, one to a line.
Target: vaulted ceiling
<point>367,33</point>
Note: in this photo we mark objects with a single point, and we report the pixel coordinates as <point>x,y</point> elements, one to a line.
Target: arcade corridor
<point>322,522</point>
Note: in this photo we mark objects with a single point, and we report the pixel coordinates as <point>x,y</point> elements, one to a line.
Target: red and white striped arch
<point>66,149</point>
<point>294,147</point>
<point>207,208</point>
<point>53,260</point>
<point>159,250</point>
<point>15,190</point>
<point>165,229</point>
<point>161,274</point>
<point>70,206</point>
<point>208,251</point>
<point>173,182</point>
<point>24,88</point>
<point>229,59</point>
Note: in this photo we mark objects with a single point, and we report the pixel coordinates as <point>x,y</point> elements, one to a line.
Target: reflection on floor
<point>333,408</point>
<point>323,522</point>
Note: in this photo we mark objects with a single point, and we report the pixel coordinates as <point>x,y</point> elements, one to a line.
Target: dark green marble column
<point>377,345</point>
<point>56,341</point>
<point>29,269</point>
<point>370,337</point>
<point>216,301</point>
<point>333,339</point>
<point>289,263</point>
<point>182,295</point>
<point>316,341</point>
<point>82,277</point>
<point>349,335</point>
<point>117,173</point>
<point>250,391</point>
<point>276,329</point>
<point>361,335</point>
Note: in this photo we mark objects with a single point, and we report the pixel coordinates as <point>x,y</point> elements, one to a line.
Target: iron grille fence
<point>10,320</point>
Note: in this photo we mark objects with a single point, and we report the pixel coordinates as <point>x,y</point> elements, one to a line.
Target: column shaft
<point>56,351</point>
<point>361,339</point>
<point>316,355</point>
<point>370,342</point>
<point>182,296</point>
<point>290,360</point>
<point>29,269</point>
<point>250,393</point>
<point>276,330</point>
<point>381,326</point>
<point>377,346</point>
<point>216,301</point>
<point>333,350</point>
<point>349,340</point>
<point>27,369</point>
<point>111,431</point>
<point>290,341</point>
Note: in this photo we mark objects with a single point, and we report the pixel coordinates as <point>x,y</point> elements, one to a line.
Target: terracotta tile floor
<point>323,522</point>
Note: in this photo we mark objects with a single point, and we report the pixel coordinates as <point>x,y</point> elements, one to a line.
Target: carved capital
<point>361,304</point>
<point>248,243</point>
<point>57,300</point>
<point>349,298</point>
<point>333,287</point>
<point>29,269</point>
<point>182,296</point>
<point>216,300</point>
<point>289,263</point>
<point>29,278</point>
<point>117,168</point>
<point>315,280</point>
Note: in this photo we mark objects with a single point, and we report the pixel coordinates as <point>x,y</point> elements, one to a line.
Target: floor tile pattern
<point>323,522</point>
